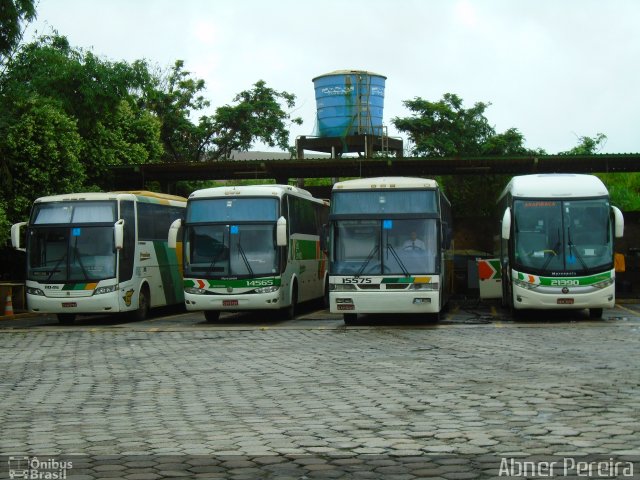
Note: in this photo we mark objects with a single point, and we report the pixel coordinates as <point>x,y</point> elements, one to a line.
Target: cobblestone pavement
<point>315,399</point>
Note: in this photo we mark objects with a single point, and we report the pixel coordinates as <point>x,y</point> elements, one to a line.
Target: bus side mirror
<point>281,232</point>
<point>173,233</point>
<point>506,224</point>
<point>16,230</point>
<point>118,234</point>
<point>618,222</point>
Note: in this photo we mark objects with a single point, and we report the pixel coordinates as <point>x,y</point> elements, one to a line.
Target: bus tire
<point>350,318</point>
<point>211,316</point>
<point>595,313</point>
<point>66,318</point>
<point>143,305</point>
<point>290,311</point>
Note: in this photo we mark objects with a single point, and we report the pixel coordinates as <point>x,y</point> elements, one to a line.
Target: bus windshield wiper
<point>367,260</point>
<point>215,260</point>
<point>395,255</point>
<point>555,249</point>
<point>55,267</point>
<point>244,257</point>
<point>573,248</point>
<point>79,258</point>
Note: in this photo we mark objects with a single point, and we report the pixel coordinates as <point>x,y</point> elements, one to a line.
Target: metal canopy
<point>283,170</point>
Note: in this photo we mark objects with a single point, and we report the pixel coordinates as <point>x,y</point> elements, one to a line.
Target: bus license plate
<point>346,307</point>
<point>69,304</point>
<point>565,301</point>
<point>230,303</point>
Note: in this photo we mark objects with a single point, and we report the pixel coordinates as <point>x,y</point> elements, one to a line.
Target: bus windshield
<point>70,212</point>
<point>217,250</point>
<point>232,209</point>
<point>384,201</point>
<point>375,247</point>
<point>563,236</point>
<point>71,254</point>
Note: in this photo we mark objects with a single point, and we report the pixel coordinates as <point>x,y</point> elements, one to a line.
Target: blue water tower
<point>349,102</point>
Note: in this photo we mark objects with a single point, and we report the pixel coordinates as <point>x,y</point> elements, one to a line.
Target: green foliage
<point>256,115</point>
<point>4,224</point>
<point>174,97</point>
<point>624,189</point>
<point>43,147</point>
<point>102,97</point>
<point>13,15</point>
<point>124,137</point>
<point>446,129</point>
<point>587,145</point>
<point>69,116</point>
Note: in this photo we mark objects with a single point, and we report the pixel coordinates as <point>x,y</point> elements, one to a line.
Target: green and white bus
<point>557,243</point>
<point>390,247</point>
<point>101,253</point>
<point>252,248</point>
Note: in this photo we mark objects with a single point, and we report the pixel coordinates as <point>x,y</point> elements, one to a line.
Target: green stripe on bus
<point>168,266</point>
<point>561,281</point>
<point>398,280</point>
<point>79,286</point>
<point>583,281</point>
<point>305,249</point>
<point>243,283</point>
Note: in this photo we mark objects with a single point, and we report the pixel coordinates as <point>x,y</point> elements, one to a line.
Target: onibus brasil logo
<point>39,468</point>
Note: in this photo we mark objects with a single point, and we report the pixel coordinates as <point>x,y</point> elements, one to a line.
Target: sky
<point>554,69</point>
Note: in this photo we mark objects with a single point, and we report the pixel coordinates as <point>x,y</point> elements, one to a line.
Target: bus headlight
<point>101,290</point>
<point>341,287</point>
<point>34,291</point>
<point>526,285</point>
<point>269,289</point>
<point>604,283</point>
<point>195,291</point>
<point>424,286</point>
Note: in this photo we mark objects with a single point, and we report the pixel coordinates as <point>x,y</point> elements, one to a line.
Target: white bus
<point>557,237</point>
<point>252,248</point>
<point>390,247</point>
<point>101,253</point>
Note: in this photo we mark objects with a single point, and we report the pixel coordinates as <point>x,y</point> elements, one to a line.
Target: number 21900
<point>564,283</point>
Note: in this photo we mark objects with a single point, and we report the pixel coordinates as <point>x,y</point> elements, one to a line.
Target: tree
<point>257,115</point>
<point>174,97</point>
<point>4,224</point>
<point>446,129</point>
<point>588,145</point>
<point>13,15</point>
<point>624,188</point>
<point>102,97</point>
<point>44,146</point>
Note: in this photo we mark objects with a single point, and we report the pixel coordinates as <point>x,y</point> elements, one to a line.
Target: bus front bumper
<point>574,299</point>
<point>233,303</point>
<point>385,302</point>
<point>94,304</point>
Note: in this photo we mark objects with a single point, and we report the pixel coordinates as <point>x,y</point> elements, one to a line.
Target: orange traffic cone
<point>8,305</point>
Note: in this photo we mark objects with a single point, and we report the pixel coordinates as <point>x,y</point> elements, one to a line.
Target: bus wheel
<point>211,316</point>
<point>595,313</point>
<point>66,318</point>
<point>143,305</point>
<point>290,311</point>
<point>350,318</point>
